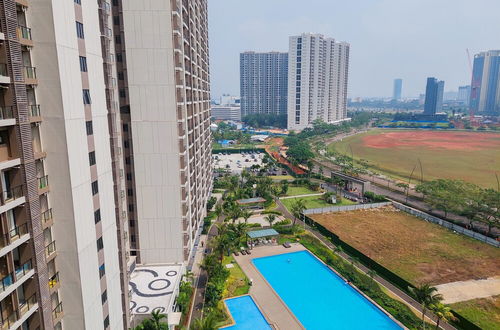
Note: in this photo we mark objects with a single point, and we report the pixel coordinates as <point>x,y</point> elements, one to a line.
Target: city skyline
<point>406,45</point>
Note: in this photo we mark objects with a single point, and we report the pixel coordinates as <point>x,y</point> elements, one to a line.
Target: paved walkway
<point>401,295</point>
<point>466,290</point>
<point>300,196</point>
<point>273,308</point>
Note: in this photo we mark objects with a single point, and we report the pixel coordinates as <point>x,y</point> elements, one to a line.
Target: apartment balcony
<point>57,313</point>
<point>14,238</point>
<point>4,74</point>
<point>24,36</point>
<point>15,279</point>
<point>30,75</point>
<point>47,219</point>
<point>11,198</point>
<point>43,185</point>
<point>7,116</point>
<point>34,113</point>
<point>50,251</point>
<point>17,317</point>
<point>54,283</point>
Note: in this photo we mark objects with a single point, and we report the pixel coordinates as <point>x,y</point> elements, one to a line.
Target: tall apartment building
<point>318,69</point>
<point>59,243</point>
<point>463,94</point>
<point>433,96</point>
<point>485,84</point>
<point>263,83</point>
<point>397,89</point>
<point>165,105</point>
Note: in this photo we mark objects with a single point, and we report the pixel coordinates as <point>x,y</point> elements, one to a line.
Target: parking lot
<point>237,162</point>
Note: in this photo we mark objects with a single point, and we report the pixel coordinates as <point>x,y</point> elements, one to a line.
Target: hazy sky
<point>408,39</point>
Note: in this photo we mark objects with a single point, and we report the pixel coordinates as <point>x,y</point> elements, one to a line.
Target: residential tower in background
<point>397,89</point>
<point>318,70</point>
<point>485,84</point>
<point>433,96</point>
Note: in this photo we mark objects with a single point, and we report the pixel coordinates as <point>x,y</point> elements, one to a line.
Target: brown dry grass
<point>416,250</point>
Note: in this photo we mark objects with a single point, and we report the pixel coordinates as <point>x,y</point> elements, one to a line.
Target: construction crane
<point>473,89</point>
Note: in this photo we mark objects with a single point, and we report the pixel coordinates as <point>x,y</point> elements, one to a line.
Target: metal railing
<point>6,112</point>
<point>30,72</point>
<point>46,216</point>
<point>43,182</point>
<point>11,194</point>
<point>13,235</point>
<point>34,110</point>
<point>56,312</point>
<point>53,280</point>
<point>24,269</point>
<point>24,307</point>
<point>6,281</point>
<point>50,249</point>
<point>24,32</point>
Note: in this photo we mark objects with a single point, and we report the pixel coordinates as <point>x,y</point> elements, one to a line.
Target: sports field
<point>470,156</point>
<point>416,250</point>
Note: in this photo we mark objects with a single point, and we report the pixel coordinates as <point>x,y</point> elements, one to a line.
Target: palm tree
<point>338,249</point>
<point>442,312</point>
<point>298,206</point>
<point>207,323</point>
<point>219,210</point>
<point>245,214</point>
<point>426,295</point>
<point>154,323</point>
<point>270,218</point>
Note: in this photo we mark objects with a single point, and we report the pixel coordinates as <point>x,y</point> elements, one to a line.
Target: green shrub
<point>283,222</point>
<point>374,197</point>
<point>271,212</point>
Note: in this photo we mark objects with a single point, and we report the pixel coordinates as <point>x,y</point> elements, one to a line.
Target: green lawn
<point>313,202</point>
<point>237,283</point>
<point>300,190</point>
<point>484,312</point>
<point>281,177</point>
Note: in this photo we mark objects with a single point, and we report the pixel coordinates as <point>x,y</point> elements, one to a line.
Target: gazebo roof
<point>262,233</point>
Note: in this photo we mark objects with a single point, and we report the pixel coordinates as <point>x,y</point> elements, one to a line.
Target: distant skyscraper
<point>485,85</point>
<point>464,94</point>
<point>318,69</point>
<point>398,86</point>
<point>263,83</point>
<point>433,96</point>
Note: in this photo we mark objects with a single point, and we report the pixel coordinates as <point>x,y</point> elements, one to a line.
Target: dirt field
<point>471,156</point>
<point>416,250</point>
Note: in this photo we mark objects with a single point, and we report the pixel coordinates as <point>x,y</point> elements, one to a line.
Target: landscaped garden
<point>237,283</point>
<point>300,190</point>
<point>313,202</point>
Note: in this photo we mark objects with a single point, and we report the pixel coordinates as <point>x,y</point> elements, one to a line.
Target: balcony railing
<point>13,235</point>
<point>34,110</point>
<point>24,307</point>
<point>6,112</point>
<point>24,269</point>
<point>29,72</point>
<point>46,216</point>
<point>53,280</point>
<point>50,249</point>
<point>3,70</point>
<point>24,32</point>
<point>11,194</point>
<point>56,312</point>
<point>43,182</point>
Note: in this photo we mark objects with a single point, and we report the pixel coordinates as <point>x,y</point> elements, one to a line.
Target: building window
<point>119,57</point>
<point>78,2</point>
<point>86,97</point>
<point>102,271</point>
<point>79,30</point>
<point>131,207</point>
<point>95,187</point>
<point>120,75</point>
<point>127,160</point>
<point>92,158</point>
<point>132,238</point>
<point>100,244</point>
<point>118,39</point>
<point>90,128</point>
<point>129,176</point>
<point>132,223</point>
<point>130,192</point>
<point>126,144</point>
<point>123,93</point>
<point>83,64</point>
<point>104,297</point>
<point>106,322</point>
<point>125,127</point>
<point>116,20</point>
<point>97,216</point>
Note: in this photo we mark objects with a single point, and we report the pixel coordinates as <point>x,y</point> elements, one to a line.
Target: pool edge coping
<point>233,322</point>
<point>338,274</point>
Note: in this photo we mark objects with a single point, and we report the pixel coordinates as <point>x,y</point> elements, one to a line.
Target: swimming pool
<point>246,314</point>
<point>318,297</point>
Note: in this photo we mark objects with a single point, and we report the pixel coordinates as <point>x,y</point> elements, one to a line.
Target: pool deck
<point>270,304</point>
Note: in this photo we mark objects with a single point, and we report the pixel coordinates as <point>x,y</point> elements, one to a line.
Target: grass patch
<point>485,312</point>
<point>281,177</point>
<point>237,283</point>
<point>313,202</point>
<point>300,190</point>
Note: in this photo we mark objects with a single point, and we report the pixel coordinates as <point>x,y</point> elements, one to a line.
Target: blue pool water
<point>246,314</point>
<point>318,297</point>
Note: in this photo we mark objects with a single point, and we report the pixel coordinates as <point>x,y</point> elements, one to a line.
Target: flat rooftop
<point>154,287</point>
